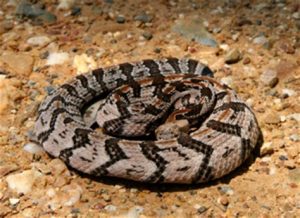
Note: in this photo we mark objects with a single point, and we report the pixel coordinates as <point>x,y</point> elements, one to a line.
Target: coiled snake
<point>162,121</point>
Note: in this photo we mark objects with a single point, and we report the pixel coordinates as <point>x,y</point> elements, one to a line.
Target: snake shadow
<point>161,188</point>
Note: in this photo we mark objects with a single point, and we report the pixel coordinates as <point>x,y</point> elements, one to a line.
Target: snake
<point>161,120</point>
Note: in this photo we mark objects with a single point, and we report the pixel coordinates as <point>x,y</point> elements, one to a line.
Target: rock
<point>19,63</point>
<point>14,201</point>
<point>260,40</point>
<point>34,12</point>
<point>193,29</point>
<point>295,116</point>
<point>294,175</point>
<point>5,26</point>
<point>38,41</point>
<point>287,48</point>
<point>76,11</point>
<point>66,196</point>
<point>6,169</point>
<point>143,17</point>
<point>246,60</point>
<point>269,77</point>
<point>43,168</point>
<point>106,197</point>
<point>120,19</point>
<point>200,208</point>
<point>223,200</point>
<point>295,137</point>
<point>57,58</point>
<point>65,4</point>
<point>288,92</point>
<point>290,164</point>
<point>22,183</point>
<point>110,208</point>
<point>225,190</point>
<point>293,151</point>
<point>296,15</point>
<point>57,166</point>
<point>73,193</point>
<point>147,35</point>
<point>233,56</point>
<point>227,81</point>
<point>266,148</point>
<point>33,148</point>
<point>272,118</point>
<point>133,212</point>
<point>5,100</point>
<point>83,63</point>
<point>49,89</point>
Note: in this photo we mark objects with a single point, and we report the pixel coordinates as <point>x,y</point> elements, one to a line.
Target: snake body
<point>221,141</point>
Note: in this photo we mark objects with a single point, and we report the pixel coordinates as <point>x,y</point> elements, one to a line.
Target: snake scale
<point>222,131</point>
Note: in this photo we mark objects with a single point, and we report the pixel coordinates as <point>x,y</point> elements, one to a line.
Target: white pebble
<point>14,201</point>
<point>65,4</point>
<point>224,47</point>
<point>38,40</point>
<point>57,58</point>
<point>33,148</point>
<point>295,137</point>
<point>110,208</point>
<point>84,63</point>
<point>288,92</point>
<point>295,116</point>
<point>22,182</point>
<point>282,118</point>
<point>266,148</point>
<point>227,81</point>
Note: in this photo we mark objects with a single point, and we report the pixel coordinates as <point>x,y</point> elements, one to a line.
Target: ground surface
<point>253,46</point>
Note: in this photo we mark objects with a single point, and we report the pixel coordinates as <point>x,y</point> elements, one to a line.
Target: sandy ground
<point>253,46</point>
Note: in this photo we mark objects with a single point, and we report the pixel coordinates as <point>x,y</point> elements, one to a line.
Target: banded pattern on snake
<point>222,129</point>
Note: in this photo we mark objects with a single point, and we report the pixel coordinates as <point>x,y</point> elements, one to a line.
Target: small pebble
<point>38,41</point>
<point>246,60</point>
<point>227,81</point>
<point>22,182</point>
<point>287,48</point>
<point>7,25</point>
<point>120,19</point>
<point>266,148</point>
<point>157,50</point>
<point>110,208</point>
<point>223,200</point>
<point>57,58</point>
<point>44,55</point>
<point>272,118</point>
<point>6,169</point>
<point>76,11</point>
<point>290,164</point>
<point>269,78</point>
<point>14,201</point>
<point>288,92</point>
<point>282,157</point>
<point>295,116</point>
<point>233,56</point>
<point>49,89</point>
<point>33,148</point>
<point>106,197</point>
<point>295,137</point>
<point>143,17</point>
<point>201,209</point>
<point>260,40</point>
<point>226,190</point>
<point>65,4</point>
<point>147,35</point>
